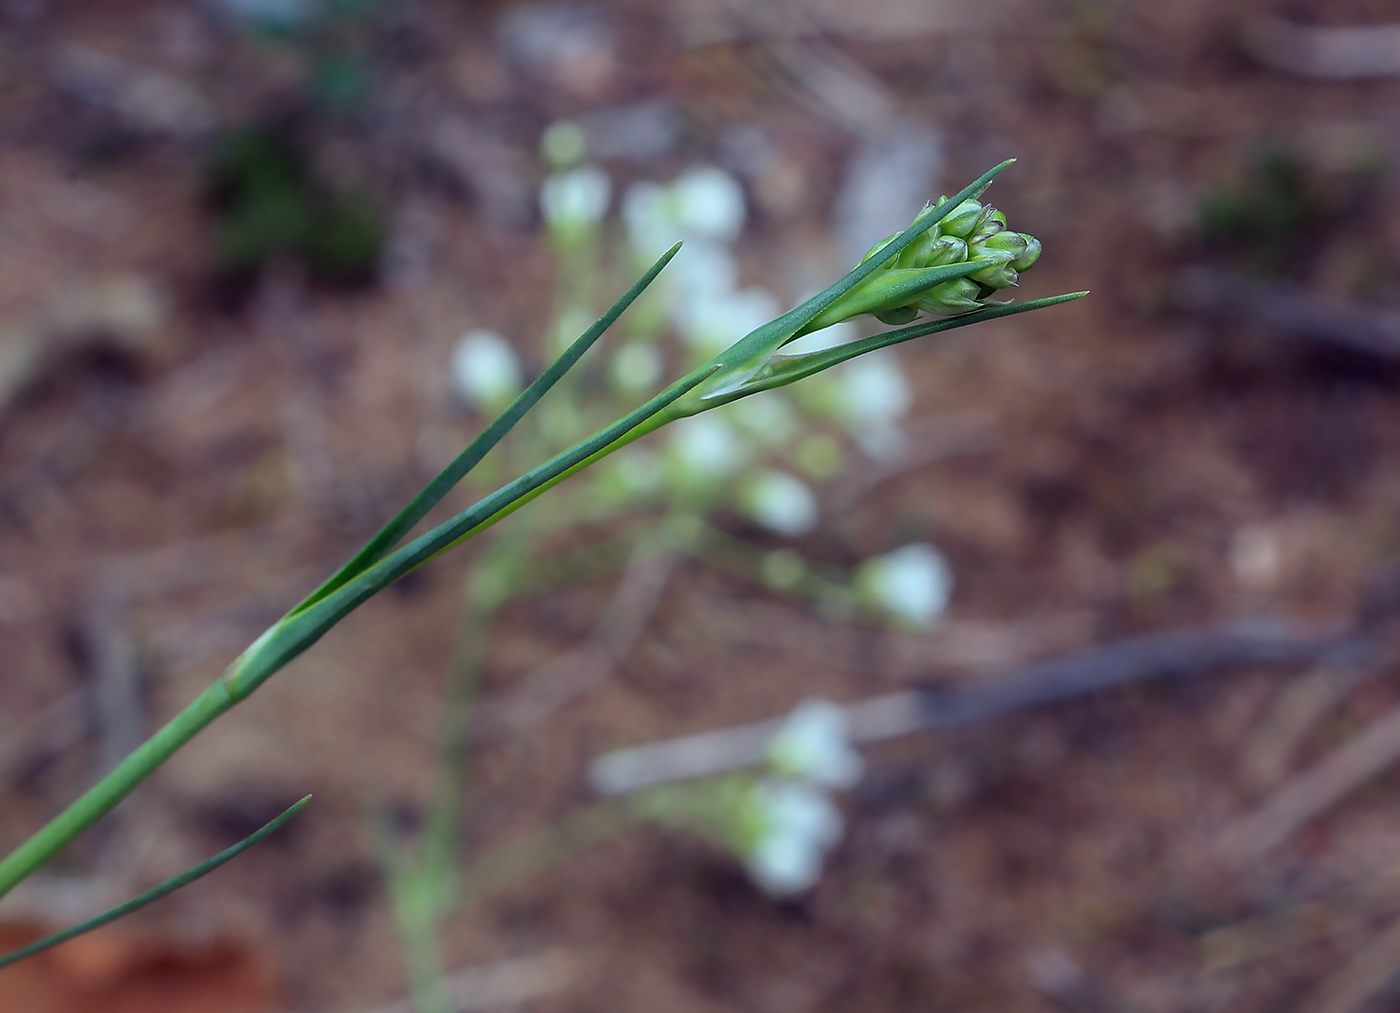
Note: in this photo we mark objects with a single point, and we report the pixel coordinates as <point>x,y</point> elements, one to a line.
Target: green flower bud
<point>963,220</point>
<point>947,250</point>
<point>992,220</point>
<point>1002,247</point>
<point>1000,276</point>
<point>996,244</point>
<point>879,246</point>
<point>951,298</point>
<point>916,254</point>
<point>933,249</point>
<point>1027,260</point>
<point>970,231</point>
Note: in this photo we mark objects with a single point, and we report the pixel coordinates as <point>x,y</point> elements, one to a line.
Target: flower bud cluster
<point>970,232</point>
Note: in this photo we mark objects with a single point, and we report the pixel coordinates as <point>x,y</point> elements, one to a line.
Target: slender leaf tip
<point>156,893</point>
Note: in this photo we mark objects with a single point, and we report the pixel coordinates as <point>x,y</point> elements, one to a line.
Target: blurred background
<point>1123,567</point>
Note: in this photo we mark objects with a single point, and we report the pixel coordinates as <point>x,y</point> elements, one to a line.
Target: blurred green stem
<point>422,878</point>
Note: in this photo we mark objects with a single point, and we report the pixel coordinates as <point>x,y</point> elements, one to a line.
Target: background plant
<point>886,283</point>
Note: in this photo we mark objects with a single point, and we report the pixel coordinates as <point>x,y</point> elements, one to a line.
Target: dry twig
<point>1312,793</point>
<point>1156,656</point>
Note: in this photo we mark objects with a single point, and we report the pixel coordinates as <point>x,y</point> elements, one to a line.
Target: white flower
<point>813,744</point>
<point>781,503</point>
<point>798,823</point>
<point>708,202</point>
<point>631,474</point>
<point>485,370</point>
<point>912,584</point>
<point>704,449</point>
<point>874,395</point>
<point>715,322</point>
<point>701,274</point>
<point>650,227</point>
<point>768,417</point>
<point>636,367</point>
<point>563,145</point>
<point>576,200</point>
<point>874,390</point>
<point>827,337</point>
<point>705,205</point>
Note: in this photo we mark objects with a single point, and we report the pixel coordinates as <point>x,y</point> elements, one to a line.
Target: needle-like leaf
<point>393,532</point>
<point>150,896</point>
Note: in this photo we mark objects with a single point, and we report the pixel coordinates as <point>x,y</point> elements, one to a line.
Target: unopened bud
<point>999,276</point>
<point>933,249</point>
<point>963,220</point>
<point>952,297</point>
<point>993,220</point>
<point>1027,260</point>
<point>997,245</point>
<point>879,246</point>
<point>971,231</point>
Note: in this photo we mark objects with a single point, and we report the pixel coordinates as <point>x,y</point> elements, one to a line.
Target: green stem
<point>102,797</point>
<point>298,630</point>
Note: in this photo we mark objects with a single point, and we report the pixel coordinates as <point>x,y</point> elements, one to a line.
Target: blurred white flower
<point>874,389</point>
<point>715,322</point>
<point>814,745</point>
<point>708,202</point>
<point>637,367</point>
<point>797,824</point>
<point>631,474</point>
<point>705,205</point>
<point>768,417</point>
<point>485,370</point>
<point>827,337</point>
<point>913,583</point>
<point>704,449</point>
<point>563,145</point>
<point>874,396</point>
<point>650,227</point>
<point>577,200</point>
<point>781,503</point>
<point>701,273</point>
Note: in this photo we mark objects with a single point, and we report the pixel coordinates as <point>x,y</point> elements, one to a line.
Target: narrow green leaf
<point>168,887</point>
<point>296,632</point>
<point>393,532</point>
<point>784,370</point>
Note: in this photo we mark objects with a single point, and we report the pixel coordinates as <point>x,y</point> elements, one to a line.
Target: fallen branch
<point>1291,312</point>
<point>1162,655</point>
<point>1344,53</point>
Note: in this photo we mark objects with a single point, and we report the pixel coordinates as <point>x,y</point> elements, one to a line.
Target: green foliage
<point>1270,217</point>
<point>269,203</point>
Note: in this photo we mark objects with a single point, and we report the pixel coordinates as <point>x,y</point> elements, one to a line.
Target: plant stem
<point>117,785</point>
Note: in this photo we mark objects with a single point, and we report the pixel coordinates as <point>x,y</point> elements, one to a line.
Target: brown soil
<point>207,479</point>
